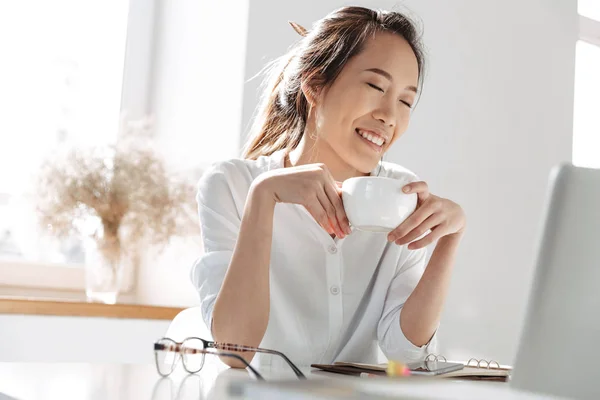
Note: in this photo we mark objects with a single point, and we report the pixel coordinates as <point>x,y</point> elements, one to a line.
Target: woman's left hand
<point>441,216</point>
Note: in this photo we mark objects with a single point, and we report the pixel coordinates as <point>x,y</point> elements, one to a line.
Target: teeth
<point>370,137</point>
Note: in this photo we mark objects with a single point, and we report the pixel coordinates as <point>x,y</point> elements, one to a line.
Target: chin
<point>364,165</point>
<point>362,161</point>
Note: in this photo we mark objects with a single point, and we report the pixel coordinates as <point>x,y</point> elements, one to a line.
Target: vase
<point>103,269</point>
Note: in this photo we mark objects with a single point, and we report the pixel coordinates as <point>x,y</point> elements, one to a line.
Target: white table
<point>65,381</point>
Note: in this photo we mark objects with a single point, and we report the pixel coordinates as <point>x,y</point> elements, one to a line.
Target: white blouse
<point>331,299</point>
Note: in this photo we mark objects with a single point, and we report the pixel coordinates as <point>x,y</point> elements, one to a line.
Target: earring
<point>311,134</point>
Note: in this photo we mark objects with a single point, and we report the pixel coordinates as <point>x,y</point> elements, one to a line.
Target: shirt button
<point>332,249</point>
<point>334,290</point>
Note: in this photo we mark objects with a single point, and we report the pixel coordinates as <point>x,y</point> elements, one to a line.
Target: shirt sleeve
<point>220,219</point>
<point>391,339</point>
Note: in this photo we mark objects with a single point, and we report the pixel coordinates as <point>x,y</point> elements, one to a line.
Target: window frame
<point>136,86</point>
<point>589,30</point>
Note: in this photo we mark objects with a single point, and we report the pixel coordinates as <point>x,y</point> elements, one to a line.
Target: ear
<point>311,94</point>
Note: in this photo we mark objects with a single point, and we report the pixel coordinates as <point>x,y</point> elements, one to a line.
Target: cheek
<point>338,114</point>
<point>403,122</point>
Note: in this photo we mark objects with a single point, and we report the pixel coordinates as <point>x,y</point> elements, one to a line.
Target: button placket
<point>333,258</point>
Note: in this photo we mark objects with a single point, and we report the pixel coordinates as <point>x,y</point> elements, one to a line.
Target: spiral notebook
<point>474,369</point>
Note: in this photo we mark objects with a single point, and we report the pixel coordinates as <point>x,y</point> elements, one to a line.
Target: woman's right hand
<point>312,186</point>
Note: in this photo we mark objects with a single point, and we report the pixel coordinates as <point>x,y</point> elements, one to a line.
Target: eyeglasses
<point>196,343</point>
<point>167,353</point>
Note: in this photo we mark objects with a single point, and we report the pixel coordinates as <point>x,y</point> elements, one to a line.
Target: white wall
<point>496,114</point>
<point>196,99</point>
<point>197,78</point>
<point>164,279</point>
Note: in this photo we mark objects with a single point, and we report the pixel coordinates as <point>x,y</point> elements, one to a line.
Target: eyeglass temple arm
<point>299,373</point>
<point>240,358</point>
<point>233,347</point>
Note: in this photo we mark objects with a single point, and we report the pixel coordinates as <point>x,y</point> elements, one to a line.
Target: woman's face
<point>368,106</point>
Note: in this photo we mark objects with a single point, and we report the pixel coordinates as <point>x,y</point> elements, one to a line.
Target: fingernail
<point>391,238</point>
<point>406,189</point>
<point>347,225</point>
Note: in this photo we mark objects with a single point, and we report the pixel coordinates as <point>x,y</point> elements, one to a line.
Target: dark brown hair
<point>316,61</point>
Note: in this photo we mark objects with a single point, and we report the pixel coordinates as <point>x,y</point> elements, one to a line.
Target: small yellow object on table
<point>395,368</point>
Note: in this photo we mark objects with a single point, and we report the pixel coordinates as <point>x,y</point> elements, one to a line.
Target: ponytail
<point>282,113</point>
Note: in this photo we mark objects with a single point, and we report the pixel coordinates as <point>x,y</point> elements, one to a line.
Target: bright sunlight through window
<point>62,71</point>
<point>589,9</point>
<point>586,125</point>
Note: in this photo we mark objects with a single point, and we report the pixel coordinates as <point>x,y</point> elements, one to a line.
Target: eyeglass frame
<point>242,348</point>
<point>177,347</point>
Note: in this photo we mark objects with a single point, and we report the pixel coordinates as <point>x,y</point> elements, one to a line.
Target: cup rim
<point>400,180</point>
<point>374,177</point>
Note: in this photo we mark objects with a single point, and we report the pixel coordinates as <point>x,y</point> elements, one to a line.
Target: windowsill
<point>78,308</point>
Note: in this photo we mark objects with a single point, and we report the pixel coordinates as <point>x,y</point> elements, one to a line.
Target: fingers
<point>414,220</point>
<point>435,234</point>
<point>331,190</point>
<point>340,213</point>
<point>330,212</point>
<point>430,223</point>
<point>319,214</point>
<point>420,188</point>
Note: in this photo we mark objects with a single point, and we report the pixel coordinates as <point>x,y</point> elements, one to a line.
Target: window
<point>69,69</point>
<point>586,119</point>
<point>589,9</point>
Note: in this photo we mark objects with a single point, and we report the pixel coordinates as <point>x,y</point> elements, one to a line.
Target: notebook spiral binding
<point>473,362</point>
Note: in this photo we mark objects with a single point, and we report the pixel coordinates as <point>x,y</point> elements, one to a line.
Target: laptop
<point>559,353</point>
<point>559,349</point>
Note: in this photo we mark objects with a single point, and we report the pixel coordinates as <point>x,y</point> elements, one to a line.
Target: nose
<point>385,113</point>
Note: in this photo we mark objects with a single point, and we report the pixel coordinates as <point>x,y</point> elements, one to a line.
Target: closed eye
<point>376,87</point>
<point>382,91</point>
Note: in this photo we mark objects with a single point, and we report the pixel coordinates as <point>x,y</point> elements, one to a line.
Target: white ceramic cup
<point>377,204</point>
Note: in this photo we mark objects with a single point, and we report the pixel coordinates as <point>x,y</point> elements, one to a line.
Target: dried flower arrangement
<point>125,187</point>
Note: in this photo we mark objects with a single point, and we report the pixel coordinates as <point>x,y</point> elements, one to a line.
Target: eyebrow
<point>388,76</point>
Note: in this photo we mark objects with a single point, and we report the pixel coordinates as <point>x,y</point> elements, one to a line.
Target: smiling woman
<point>358,81</point>
<point>281,260</point>
<point>371,95</point>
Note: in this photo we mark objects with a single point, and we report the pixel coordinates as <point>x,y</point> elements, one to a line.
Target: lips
<point>373,133</point>
<point>375,142</point>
